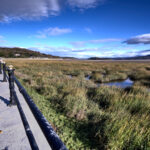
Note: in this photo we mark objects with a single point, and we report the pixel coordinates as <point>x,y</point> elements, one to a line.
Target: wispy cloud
<point>2,40</point>
<point>27,9</point>
<point>35,9</point>
<point>89,30</point>
<point>140,39</point>
<point>68,52</point>
<point>84,4</point>
<point>78,44</point>
<point>105,40</point>
<point>86,52</point>
<point>144,52</point>
<point>53,32</point>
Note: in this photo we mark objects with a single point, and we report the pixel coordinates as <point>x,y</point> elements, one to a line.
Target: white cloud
<point>83,52</point>
<point>27,9</point>
<point>35,9</point>
<point>78,44</point>
<point>84,4</point>
<point>140,39</point>
<point>53,32</point>
<point>143,53</point>
<point>58,31</point>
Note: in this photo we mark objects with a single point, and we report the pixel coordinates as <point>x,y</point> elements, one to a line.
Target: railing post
<point>0,67</point>
<point>11,85</point>
<point>4,71</point>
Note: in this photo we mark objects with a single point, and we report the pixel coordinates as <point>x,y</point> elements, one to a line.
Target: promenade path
<point>12,134</point>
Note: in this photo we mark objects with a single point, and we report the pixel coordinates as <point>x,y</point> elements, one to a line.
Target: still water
<point>121,84</point>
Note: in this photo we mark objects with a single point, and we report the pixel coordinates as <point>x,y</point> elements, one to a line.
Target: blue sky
<point>77,28</point>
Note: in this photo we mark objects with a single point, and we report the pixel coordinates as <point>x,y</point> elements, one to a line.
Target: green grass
<point>86,116</point>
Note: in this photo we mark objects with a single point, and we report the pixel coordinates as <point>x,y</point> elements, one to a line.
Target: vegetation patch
<point>86,116</point>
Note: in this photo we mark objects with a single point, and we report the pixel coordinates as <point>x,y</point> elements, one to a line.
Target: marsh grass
<point>86,116</point>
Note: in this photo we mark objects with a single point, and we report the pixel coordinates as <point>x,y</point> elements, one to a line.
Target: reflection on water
<point>121,84</point>
<point>87,77</point>
<point>70,76</point>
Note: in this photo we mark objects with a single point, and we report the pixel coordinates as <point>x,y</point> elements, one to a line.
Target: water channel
<point>120,84</point>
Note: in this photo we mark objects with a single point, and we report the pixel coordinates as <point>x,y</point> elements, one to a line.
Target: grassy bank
<point>87,117</point>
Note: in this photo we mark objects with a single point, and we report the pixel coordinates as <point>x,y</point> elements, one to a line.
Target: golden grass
<point>87,117</point>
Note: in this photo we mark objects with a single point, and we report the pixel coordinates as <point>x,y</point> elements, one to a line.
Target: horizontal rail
<point>28,131</point>
<point>51,136</point>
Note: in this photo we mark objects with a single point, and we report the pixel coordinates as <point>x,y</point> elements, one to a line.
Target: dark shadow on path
<point>4,100</point>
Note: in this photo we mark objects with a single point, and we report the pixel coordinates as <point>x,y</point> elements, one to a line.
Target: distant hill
<point>137,57</point>
<point>98,58</point>
<point>121,58</point>
<point>22,53</point>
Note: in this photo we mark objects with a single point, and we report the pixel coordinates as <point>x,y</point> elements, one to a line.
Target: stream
<point>120,84</point>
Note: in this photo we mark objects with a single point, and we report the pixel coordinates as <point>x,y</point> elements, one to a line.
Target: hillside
<point>138,57</point>
<point>121,58</point>
<point>98,58</point>
<point>22,53</point>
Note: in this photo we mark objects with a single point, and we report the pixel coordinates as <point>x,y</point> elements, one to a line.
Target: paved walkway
<point>13,136</point>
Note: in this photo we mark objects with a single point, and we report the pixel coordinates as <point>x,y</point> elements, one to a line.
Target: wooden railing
<point>49,133</point>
